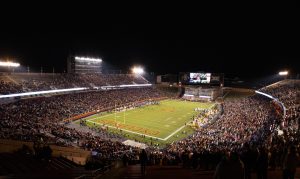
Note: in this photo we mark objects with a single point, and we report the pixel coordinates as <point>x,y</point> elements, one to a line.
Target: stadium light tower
<point>138,70</point>
<point>88,59</point>
<point>283,73</point>
<point>9,64</point>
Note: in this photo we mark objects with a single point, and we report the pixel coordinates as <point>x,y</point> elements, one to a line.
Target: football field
<point>160,121</point>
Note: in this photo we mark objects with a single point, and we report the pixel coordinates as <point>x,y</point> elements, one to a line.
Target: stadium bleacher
<point>27,82</point>
<point>246,125</point>
<point>27,166</point>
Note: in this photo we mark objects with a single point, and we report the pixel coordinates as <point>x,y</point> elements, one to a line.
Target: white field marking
<point>174,132</point>
<point>212,106</point>
<point>113,113</point>
<point>128,130</point>
<point>118,113</point>
<point>164,139</point>
<point>168,118</point>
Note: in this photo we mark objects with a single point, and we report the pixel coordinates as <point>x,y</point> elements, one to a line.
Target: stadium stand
<point>25,119</point>
<point>27,82</point>
<point>249,127</point>
<point>19,165</point>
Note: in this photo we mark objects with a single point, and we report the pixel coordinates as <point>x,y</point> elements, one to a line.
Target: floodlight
<point>9,64</point>
<point>88,59</point>
<point>138,70</point>
<point>283,73</point>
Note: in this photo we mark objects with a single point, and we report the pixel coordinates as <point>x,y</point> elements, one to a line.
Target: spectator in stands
<point>143,160</point>
<point>37,82</point>
<point>290,163</point>
<point>262,164</point>
<point>125,159</point>
<point>232,168</point>
<point>251,120</point>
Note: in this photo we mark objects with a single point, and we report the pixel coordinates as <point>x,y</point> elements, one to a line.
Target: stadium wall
<point>76,155</point>
<point>198,93</point>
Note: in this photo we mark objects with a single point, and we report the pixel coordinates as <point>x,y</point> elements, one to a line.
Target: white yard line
<point>213,105</point>
<point>174,132</point>
<point>127,130</point>
<point>118,113</point>
<point>164,139</point>
<point>168,118</point>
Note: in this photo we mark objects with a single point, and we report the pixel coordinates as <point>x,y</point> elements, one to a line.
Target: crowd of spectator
<point>287,92</point>
<point>250,131</point>
<point>7,87</point>
<point>27,119</point>
<point>246,132</point>
<point>206,116</point>
<point>245,122</point>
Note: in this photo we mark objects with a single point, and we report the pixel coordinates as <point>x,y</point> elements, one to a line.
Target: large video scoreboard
<point>84,65</point>
<point>200,78</point>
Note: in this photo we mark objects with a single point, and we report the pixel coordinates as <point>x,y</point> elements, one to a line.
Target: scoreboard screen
<point>199,78</point>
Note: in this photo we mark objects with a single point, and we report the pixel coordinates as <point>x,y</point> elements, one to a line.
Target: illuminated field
<point>160,121</point>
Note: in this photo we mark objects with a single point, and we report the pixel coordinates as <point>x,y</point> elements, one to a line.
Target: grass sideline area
<point>152,124</point>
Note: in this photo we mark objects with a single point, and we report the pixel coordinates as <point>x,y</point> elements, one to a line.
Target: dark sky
<point>246,47</point>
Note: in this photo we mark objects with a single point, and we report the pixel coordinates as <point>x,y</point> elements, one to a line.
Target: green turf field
<point>161,122</point>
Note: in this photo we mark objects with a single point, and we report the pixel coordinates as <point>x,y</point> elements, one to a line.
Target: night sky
<point>168,44</point>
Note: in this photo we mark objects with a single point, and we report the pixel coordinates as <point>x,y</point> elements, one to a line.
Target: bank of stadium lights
<point>9,64</point>
<point>88,59</point>
<point>283,73</point>
<point>137,70</point>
